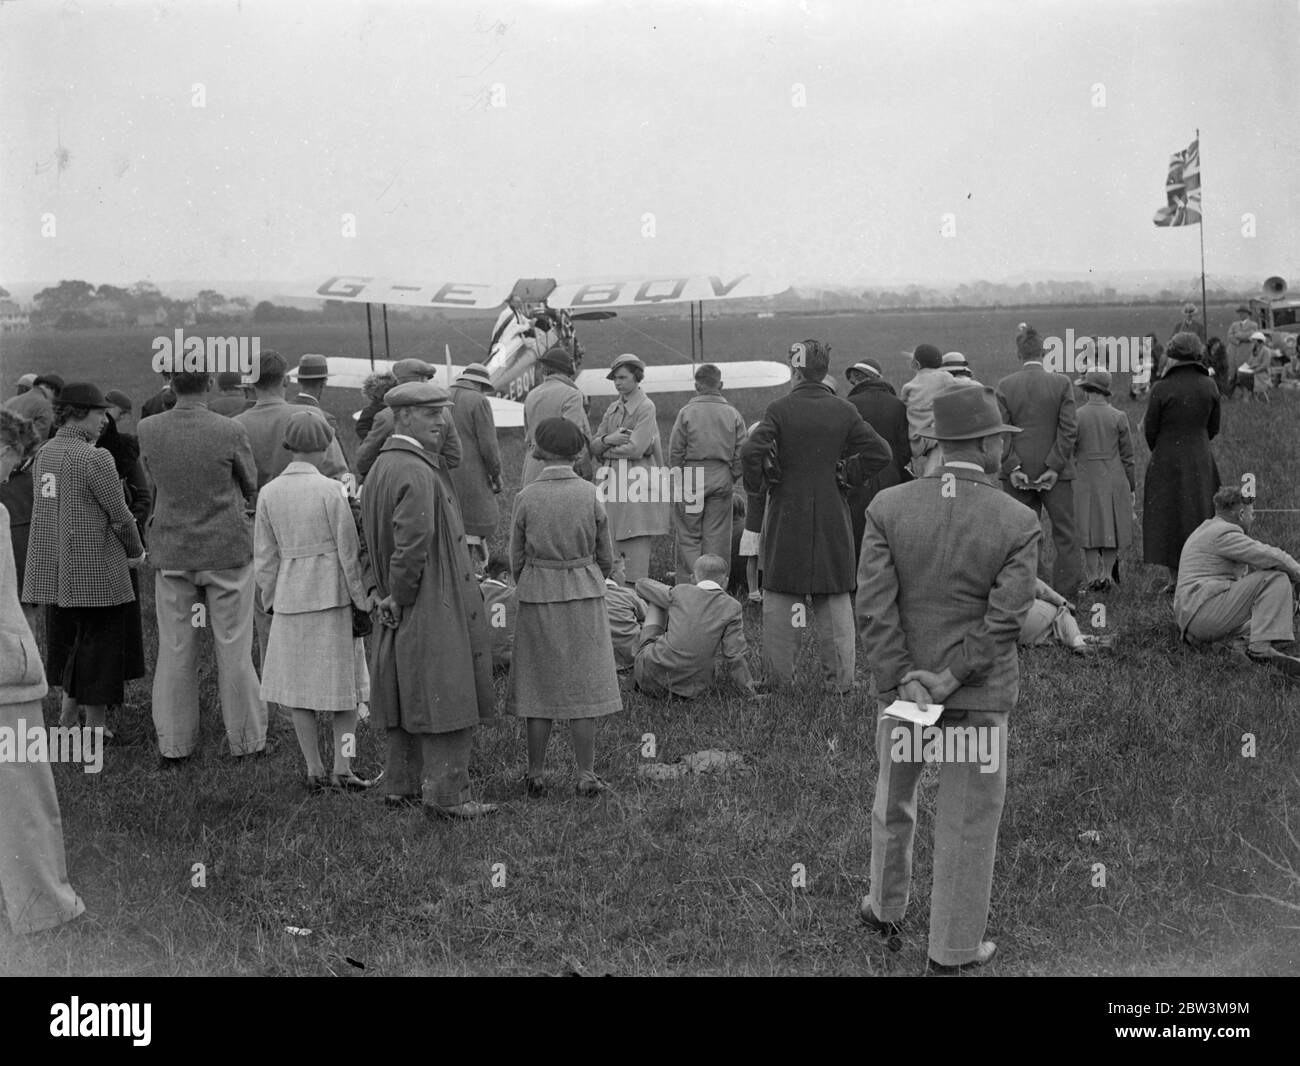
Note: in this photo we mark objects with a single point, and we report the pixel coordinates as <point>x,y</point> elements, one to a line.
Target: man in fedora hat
<point>1239,342</point>
<point>555,396</point>
<point>1038,469</point>
<point>945,581</point>
<point>477,479</point>
<point>431,659</point>
<point>406,371</point>
<point>313,375</point>
<point>808,443</point>
<point>1189,323</point>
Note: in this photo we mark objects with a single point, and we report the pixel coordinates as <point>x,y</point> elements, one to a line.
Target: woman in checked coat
<point>307,563</point>
<point>563,661</point>
<point>1103,481</point>
<point>628,438</point>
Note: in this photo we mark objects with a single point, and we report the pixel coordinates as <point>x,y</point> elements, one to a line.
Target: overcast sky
<point>498,140</point>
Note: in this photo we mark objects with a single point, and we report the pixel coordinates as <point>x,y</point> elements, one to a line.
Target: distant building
<point>13,317</point>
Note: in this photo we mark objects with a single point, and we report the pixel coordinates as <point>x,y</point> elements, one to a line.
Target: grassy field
<point>694,876</point>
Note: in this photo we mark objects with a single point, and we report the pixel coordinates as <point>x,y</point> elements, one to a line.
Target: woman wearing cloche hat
<point>1103,481</point>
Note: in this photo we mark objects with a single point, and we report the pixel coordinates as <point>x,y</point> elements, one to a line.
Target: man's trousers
<point>967,814</point>
<point>785,618</point>
<point>1067,570</point>
<point>708,530</point>
<point>434,765</point>
<point>1259,607</point>
<point>229,614</point>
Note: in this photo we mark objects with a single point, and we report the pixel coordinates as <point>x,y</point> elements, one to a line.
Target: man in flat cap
<point>807,443</point>
<point>477,479</point>
<point>406,371</point>
<point>945,581</point>
<point>555,396</point>
<point>884,412</point>
<point>705,446</point>
<point>431,659</point>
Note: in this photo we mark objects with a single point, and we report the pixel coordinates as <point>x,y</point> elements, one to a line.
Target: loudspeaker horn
<point>1275,287</point>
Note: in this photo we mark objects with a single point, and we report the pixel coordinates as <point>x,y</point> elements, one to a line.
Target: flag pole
<point>1205,311</point>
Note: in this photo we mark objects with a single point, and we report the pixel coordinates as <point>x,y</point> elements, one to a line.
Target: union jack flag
<point>1182,189</point>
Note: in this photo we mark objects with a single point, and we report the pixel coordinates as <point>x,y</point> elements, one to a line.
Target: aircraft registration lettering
<point>644,295</point>
<point>344,285</point>
<point>719,289</point>
<point>448,293</point>
<point>608,290</point>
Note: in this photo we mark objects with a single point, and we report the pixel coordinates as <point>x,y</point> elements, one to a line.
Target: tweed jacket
<point>559,545</point>
<point>946,578</point>
<point>1217,553</point>
<point>381,429</point>
<point>708,427</point>
<point>808,535</point>
<point>265,422</point>
<point>82,531</point>
<point>480,459</point>
<point>22,677</point>
<point>305,544</point>
<point>555,396</point>
<point>205,480</point>
<point>1042,406</point>
<point>703,622</point>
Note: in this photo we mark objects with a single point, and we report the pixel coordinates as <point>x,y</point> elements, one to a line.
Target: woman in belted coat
<point>1182,418</point>
<point>308,568</point>
<point>628,438</point>
<point>1103,481</point>
<point>563,660</point>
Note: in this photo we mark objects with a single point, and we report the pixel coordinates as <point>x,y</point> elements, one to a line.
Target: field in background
<point>694,875</point>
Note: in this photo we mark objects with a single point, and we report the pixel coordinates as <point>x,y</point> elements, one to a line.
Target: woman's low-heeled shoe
<point>349,782</point>
<point>983,953</point>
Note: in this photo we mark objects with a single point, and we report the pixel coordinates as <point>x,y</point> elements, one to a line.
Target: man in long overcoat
<point>555,396</point>
<point>431,663</point>
<point>797,450</point>
<point>478,478</point>
<point>884,412</point>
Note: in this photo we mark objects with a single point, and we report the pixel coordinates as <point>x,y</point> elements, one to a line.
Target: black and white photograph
<point>734,488</point>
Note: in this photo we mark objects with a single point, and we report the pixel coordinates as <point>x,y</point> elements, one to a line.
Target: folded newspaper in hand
<point>913,712</point>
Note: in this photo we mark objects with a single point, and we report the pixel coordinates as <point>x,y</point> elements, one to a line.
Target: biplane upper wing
<point>651,290</point>
<point>680,377</point>
<point>365,289</point>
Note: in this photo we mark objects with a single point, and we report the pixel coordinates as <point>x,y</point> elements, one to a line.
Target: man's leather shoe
<point>413,799</point>
<point>873,923</point>
<point>1286,664</point>
<point>983,953</point>
<point>461,812</point>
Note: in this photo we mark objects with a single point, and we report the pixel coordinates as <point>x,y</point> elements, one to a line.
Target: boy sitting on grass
<point>499,603</point>
<point>626,613</point>
<point>685,627</point>
<point>1050,616</point>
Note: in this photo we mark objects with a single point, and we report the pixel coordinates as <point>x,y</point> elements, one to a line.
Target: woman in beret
<point>307,559</point>
<point>560,554</point>
<point>628,439</point>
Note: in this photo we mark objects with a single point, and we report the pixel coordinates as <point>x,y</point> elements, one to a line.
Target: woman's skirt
<point>310,661</point>
<point>563,661</point>
<point>88,652</point>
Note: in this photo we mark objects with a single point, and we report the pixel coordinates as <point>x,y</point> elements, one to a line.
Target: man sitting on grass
<point>1233,587</point>
<point>626,612</point>
<point>685,627</point>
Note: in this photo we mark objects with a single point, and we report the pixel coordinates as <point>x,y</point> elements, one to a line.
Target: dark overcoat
<point>884,412</point>
<point>433,673</point>
<point>1182,418</point>
<point>808,533</point>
